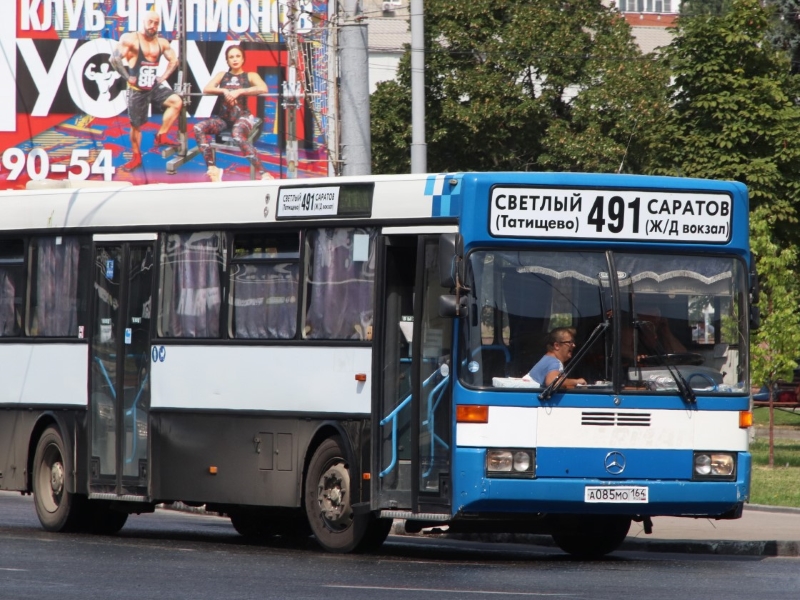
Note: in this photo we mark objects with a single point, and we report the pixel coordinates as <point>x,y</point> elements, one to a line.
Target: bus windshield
<point>664,318</point>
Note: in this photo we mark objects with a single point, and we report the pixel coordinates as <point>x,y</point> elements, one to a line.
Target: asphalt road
<point>175,556</point>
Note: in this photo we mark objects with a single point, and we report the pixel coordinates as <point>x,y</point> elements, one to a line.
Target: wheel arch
<point>45,420</point>
<point>326,430</point>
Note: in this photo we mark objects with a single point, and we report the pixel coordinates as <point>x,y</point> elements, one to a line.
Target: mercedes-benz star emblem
<point>615,462</point>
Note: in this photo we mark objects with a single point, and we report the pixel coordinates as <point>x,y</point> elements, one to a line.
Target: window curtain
<point>340,282</point>
<point>192,285</point>
<point>8,309</point>
<point>265,300</point>
<point>56,309</point>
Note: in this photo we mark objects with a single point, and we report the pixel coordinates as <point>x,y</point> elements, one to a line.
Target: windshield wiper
<point>684,389</point>
<point>558,381</point>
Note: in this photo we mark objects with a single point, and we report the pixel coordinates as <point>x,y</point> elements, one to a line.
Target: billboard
<point>64,110</point>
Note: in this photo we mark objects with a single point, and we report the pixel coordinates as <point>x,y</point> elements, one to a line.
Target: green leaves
<point>520,85</point>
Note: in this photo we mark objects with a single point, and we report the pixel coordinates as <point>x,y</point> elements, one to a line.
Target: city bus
<point>327,356</point>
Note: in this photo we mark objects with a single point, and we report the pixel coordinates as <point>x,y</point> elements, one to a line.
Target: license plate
<point>615,494</point>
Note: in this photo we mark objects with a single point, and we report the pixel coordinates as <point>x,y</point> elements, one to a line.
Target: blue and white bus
<point>326,356</point>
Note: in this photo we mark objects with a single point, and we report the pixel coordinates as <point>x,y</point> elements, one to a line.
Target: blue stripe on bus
<point>473,492</point>
<point>444,203</point>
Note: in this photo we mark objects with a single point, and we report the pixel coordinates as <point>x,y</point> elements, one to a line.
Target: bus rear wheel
<point>329,505</point>
<point>57,508</point>
<point>593,536</point>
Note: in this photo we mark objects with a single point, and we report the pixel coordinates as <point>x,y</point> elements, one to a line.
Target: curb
<point>771,548</point>
<point>772,509</point>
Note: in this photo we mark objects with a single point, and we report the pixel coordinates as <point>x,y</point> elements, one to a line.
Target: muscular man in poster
<point>136,58</point>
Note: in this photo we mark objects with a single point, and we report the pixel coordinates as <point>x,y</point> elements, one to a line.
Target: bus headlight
<point>714,465</point>
<point>510,463</point>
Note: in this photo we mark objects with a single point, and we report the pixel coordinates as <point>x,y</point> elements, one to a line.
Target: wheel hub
<point>57,478</point>
<point>333,496</point>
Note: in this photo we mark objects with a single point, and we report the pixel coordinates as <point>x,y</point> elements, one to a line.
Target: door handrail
<point>392,417</point>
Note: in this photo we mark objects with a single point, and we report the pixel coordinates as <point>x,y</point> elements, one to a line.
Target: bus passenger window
<point>340,278</point>
<point>53,300</point>
<point>263,286</point>
<point>11,287</point>
<point>190,294</point>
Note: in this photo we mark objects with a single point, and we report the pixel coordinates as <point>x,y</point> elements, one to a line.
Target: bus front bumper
<point>475,494</point>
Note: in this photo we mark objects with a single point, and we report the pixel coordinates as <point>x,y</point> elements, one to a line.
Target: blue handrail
<point>430,422</point>
<point>392,416</point>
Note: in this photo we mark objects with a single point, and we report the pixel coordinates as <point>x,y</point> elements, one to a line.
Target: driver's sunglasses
<point>570,342</point>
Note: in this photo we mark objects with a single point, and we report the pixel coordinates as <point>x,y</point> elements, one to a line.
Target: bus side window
<point>54,302</point>
<point>12,273</point>
<point>263,286</point>
<point>190,294</point>
<point>340,279</point>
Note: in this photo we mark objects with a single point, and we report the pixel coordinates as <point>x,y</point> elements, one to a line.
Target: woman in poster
<point>233,85</point>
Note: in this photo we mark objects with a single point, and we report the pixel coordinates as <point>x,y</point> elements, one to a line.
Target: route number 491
<point>38,166</point>
<point>616,214</point>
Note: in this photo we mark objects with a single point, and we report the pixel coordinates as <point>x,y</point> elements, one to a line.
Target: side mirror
<point>755,318</point>
<point>452,306</point>
<point>451,253</point>
<point>755,288</point>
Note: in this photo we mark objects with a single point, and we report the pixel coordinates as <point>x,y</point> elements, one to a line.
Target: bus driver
<point>560,343</point>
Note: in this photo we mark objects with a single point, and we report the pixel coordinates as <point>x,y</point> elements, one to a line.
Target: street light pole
<point>291,91</point>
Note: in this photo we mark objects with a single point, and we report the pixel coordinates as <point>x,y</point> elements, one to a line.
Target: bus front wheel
<point>57,508</point>
<point>328,502</point>
<point>593,536</point>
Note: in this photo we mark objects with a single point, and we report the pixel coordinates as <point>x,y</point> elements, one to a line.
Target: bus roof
<point>414,197</point>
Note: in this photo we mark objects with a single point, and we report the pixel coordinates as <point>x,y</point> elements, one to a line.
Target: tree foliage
<point>774,346</point>
<point>734,110</point>
<point>693,8</point>
<point>734,116</point>
<point>520,85</point>
<point>785,31</point>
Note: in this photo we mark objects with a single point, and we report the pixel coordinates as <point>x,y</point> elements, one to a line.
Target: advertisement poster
<point>64,106</point>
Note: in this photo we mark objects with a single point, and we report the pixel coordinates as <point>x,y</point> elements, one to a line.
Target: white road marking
<point>442,591</point>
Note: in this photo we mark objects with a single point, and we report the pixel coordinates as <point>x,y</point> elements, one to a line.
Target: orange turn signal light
<point>745,419</point>
<point>212,470</point>
<point>472,413</point>
<point>361,376</point>
<point>367,476</point>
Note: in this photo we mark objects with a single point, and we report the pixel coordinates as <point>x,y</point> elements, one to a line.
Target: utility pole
<point>181,155</point>
<point>356,139</point>
<point>419,150</point>
<point>291,91</point>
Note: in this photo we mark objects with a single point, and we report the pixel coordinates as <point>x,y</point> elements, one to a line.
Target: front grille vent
<point>615,419</point>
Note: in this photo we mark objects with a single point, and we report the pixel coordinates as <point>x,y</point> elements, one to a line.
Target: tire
<point>252,524</point>
<point>57,509</point>
<point>100,518</point>
<point>328,503</point>
<point>260,524</point>
<point>594,536</point>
